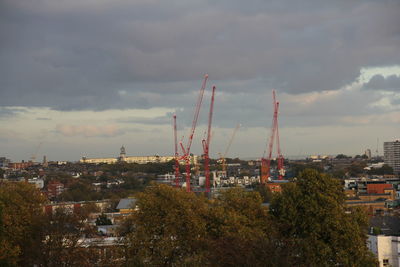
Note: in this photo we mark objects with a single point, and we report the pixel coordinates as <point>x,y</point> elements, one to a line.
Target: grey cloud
<point>81,54</point>
<point>378,82</point>
<point>150,121</point>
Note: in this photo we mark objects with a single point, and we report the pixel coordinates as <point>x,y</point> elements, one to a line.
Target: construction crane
<point>206,143</point>
<point>223,156</point>
<point>186,151</point>
<point>280,160</point>
<point>266,162</point>
<point>176,167</point>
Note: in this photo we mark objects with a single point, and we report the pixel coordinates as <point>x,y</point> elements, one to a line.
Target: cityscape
<point>188,133</point>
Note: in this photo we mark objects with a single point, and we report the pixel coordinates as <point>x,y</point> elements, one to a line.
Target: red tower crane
<point>266,162</point>
<point>176,167</point>
<point>206,143</point>
<point>186,151</point>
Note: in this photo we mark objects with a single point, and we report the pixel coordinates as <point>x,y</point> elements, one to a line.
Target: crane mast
<point>266,162</point>
<point>186,151</point>
<point>206,143</point>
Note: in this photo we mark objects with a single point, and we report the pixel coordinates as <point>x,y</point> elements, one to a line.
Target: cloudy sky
<point>82,77</point>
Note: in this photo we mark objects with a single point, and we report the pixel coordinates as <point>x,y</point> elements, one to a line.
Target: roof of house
<point>389,225</point>
<point>126,203</point>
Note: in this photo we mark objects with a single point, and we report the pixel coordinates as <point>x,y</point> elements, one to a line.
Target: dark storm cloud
<point>74,55</point>
<point>378,82</point>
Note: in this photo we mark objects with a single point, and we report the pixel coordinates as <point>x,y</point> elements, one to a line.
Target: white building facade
<point>386,248</point>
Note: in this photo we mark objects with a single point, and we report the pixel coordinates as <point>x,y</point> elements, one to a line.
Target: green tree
<point>265,192</point>
<point>103,220</point>
<point>20,223</point>
<point>385,169</point>
<point>297,168</point>
<point>8,252</point>
<point>356,169</point>
<point>80,191</point>
<point>176,228</point>
<point>62,231</point>
<point>168,228</point>
<point>240,232</point>
<point>311,215</point>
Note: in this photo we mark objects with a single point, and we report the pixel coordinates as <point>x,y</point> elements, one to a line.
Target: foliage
<point>103,220</point>
<point>376,231</point>
<point>265,192</point>
<point>30,237</point>
<point>175,228</point>
<point>297,168</point>
<point>154,168</point>
<point>356,169</point>
<point>62,177</point>
<point>385,169</point>
<point>339,174</point>
<point>20,220</point>
<point>169,228</point>
<point>80,191</point>
<point>307,225</point>
<point>61,233</point>
<point>342,156</point>
<point>311,214</point>
<point>8,252</point>
<point>240,232</point>
<point>135,182</point>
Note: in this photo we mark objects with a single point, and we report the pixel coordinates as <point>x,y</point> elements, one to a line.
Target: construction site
<point>195,178</point>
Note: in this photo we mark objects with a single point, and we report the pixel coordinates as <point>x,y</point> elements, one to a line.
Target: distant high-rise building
<point>392,155</point>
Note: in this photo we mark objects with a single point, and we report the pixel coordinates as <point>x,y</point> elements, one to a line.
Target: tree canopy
<point>20,219</point>
<point>312,215</point>
<point>307,225</point>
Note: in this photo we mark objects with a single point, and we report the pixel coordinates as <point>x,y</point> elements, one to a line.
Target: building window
<point>385,262</point>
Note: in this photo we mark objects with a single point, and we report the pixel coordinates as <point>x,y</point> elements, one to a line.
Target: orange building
<point>378,188</point>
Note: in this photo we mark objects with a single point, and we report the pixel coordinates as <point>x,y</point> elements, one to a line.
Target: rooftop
<point>126,203</point>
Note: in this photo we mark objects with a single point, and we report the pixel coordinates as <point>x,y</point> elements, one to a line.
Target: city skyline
<point>84,77</point>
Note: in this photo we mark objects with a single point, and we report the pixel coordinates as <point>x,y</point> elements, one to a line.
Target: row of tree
<point>31,237</point>
<point>305,225</point>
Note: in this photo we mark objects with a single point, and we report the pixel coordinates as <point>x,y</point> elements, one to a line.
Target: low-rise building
<point>54,189</point>
<point>384,240</point>
<point>386,249</point>
<point>134,159</point>
<point>126,205</point>
<point>4,162</point>
<point>39,183</point>
<point>19,165</point>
